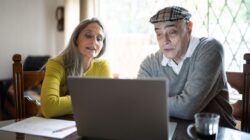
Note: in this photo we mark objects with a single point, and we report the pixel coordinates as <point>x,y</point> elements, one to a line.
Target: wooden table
<point>180,133</point>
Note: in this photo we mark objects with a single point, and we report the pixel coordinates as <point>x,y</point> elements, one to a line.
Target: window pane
<point>131,37</point>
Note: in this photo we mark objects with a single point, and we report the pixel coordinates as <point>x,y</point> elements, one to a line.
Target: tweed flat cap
<point>172,13</point>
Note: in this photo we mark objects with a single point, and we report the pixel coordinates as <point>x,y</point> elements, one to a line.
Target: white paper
<point>42,127</point>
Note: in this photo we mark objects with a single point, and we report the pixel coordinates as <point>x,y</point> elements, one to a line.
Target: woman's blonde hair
<point>71,55</point>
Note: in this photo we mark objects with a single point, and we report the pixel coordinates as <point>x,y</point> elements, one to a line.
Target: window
<point>131,37</point>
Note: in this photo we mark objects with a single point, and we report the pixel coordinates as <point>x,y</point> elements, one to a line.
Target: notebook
<point>124,109</point>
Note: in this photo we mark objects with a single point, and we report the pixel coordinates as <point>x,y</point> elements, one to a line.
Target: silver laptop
<point>123,109</point>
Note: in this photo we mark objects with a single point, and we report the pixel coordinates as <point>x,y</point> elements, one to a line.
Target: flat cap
<point>172,13</point>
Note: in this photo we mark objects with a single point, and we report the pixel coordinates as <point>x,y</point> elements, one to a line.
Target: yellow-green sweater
<point>54,98</point>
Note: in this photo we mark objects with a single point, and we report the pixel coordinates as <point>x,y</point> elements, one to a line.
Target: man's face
<point>173,38</point>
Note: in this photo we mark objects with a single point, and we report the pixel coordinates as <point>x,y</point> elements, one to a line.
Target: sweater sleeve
<point>205,81</point>
<point>52,103</point>
<point>105,69</point>
<point>149,66</point>
<point>100,68</point>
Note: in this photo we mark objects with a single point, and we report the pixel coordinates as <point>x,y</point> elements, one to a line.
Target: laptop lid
<point>120,108</point>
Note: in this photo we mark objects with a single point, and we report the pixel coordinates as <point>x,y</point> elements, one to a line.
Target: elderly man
<point>193,67</point>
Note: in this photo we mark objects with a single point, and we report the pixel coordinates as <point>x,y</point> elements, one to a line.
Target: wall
<point>28,27</point>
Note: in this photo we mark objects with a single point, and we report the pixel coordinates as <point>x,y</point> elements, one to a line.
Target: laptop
<point>121,109</point>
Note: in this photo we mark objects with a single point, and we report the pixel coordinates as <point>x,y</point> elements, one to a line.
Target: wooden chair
<point>241,82</point>
<point>24,80</point>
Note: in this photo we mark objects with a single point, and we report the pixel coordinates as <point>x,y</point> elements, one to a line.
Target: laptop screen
<point>120,108</point>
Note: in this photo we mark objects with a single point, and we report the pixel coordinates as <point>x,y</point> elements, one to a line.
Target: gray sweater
<point>200,85</point>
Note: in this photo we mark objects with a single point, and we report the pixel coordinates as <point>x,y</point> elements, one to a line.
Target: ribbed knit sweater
<point>200,86</point>
<point>55,99</point>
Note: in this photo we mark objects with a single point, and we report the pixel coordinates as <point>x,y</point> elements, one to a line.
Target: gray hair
<point>71,56</point>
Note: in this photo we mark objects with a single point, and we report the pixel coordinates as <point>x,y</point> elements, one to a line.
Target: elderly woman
<point>79,58</point>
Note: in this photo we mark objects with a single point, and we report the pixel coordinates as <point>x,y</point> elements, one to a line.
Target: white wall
<point>28,27</point>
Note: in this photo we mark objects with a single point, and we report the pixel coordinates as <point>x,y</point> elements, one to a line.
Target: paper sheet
<point>42,127</point>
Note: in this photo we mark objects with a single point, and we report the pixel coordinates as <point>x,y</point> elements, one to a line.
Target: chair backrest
<point>24,80</point>
<point>241,82</point>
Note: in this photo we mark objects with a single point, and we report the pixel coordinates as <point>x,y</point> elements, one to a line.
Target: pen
<point>62,129</point>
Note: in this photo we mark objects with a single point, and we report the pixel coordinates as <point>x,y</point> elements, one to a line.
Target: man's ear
<point>190,26</point>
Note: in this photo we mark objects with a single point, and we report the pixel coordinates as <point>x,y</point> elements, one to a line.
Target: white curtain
<point>89,9</point>
<point>72,18</point>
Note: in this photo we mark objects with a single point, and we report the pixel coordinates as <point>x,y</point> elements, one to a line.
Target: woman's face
<point>90,41</point>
